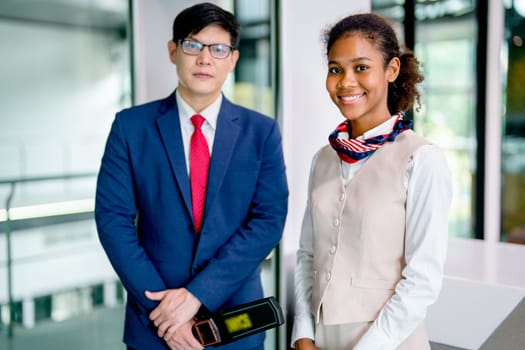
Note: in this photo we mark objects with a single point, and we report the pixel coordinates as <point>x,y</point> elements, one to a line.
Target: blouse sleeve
<point>303,326</point>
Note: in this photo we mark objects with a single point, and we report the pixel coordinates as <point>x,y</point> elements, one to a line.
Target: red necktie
<point>199,164</point>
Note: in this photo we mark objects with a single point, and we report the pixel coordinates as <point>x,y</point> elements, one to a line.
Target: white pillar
<point>494,112</point>
<point>28,313</point>
<point>110,293</point>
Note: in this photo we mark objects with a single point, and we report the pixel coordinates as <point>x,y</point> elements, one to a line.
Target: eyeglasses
<point>194,48</point>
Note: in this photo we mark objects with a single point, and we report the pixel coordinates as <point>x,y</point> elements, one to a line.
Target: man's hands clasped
<point>173,317</point>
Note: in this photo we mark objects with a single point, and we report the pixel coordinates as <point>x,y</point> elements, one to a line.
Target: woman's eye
<point>334,70</point>
<point>361,68</point>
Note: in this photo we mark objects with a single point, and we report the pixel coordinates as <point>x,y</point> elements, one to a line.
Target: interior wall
<point>307,113</point>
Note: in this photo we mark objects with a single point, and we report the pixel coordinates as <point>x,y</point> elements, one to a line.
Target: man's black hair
<point>195,18</point>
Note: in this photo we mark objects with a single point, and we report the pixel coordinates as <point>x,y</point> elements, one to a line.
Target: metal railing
<point>8,229</point>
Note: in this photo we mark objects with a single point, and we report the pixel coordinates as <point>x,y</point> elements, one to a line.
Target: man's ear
<point>233,59</point>
<point>172,50</point>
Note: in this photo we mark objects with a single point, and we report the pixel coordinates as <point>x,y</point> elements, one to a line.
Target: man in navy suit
<point>172,261</point>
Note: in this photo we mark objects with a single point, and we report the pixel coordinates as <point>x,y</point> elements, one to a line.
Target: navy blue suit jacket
<point>144,217</point>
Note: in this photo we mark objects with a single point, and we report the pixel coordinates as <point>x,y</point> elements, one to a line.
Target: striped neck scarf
<point>353,150</point>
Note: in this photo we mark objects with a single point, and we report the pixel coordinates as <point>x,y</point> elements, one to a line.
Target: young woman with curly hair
<point>374,235</point>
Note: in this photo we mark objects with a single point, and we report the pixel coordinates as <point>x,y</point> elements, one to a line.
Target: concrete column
<point>28,313</point>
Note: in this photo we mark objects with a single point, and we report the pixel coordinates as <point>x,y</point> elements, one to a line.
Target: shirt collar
<point>210,113</point>
<point>383,128</point>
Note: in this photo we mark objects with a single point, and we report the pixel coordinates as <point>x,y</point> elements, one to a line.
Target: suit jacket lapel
<point>226,136</point>
<point>168,125</point>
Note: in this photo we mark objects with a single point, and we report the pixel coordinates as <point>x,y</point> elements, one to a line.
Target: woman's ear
<point>392,69</point>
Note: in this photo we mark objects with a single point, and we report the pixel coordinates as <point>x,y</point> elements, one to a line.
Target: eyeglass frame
<point>181,43</point>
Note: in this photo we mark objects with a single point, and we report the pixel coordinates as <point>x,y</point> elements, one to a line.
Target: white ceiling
<point>96,14</point>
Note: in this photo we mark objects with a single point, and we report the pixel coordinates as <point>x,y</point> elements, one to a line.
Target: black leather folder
<point>225,326</point>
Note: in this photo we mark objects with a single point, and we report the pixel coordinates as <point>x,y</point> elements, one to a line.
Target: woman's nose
<point>347,80</point>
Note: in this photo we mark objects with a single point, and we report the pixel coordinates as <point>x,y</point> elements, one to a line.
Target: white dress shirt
<point>210,113</point>
<point>429,191</point>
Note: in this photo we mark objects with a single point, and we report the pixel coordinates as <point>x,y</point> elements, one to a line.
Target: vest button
<point>335,222</point>
<point>332,249</point>
<point>342,197</point>
<point>328,275</point>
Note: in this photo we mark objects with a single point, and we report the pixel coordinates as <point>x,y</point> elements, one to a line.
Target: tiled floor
<point>100,330</point>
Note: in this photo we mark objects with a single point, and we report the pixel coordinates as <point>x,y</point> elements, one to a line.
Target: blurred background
<point>67,66</point>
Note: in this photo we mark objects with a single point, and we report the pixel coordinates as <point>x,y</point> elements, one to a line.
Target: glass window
<point>447,52</point>
<point>447,117</point>
<point>513,145</point>
<point>255,88</point>
<point>65,71</point>
<point>253,73</point>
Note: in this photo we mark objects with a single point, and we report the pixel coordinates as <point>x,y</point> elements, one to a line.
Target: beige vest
<point>359,232</point>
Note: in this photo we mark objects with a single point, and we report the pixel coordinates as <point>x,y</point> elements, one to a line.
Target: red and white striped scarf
<point>352,150</point>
